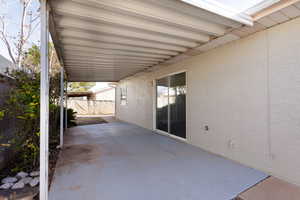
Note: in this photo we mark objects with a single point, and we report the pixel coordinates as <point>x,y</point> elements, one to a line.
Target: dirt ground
<point>87,120</point>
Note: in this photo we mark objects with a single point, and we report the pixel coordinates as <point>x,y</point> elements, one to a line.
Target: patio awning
<point>105,40</point>
<point>108,40</point>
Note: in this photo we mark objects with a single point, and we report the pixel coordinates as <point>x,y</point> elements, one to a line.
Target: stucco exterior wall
<point>106,95</point>
<point>247,92</point>
<point>4,65</point>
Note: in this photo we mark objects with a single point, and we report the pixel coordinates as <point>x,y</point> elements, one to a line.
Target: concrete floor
<point>116,161</point>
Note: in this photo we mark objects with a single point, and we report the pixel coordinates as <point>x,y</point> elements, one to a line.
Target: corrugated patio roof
<point>105,40</point>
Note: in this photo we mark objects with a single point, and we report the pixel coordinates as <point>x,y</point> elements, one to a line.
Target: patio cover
<point>108,40</point>
<point>105,40</point>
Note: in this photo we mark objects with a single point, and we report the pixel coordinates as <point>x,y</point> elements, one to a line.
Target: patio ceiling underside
<point>105,40</point>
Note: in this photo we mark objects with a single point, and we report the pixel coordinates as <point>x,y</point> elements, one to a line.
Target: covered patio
<point>115,41</point>
<point>123,161</point>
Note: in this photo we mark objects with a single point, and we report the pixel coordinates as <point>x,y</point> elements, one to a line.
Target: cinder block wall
<point>247,92</point>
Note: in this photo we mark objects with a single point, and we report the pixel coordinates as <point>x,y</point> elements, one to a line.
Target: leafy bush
<point>24,105</point>
<point>1,114</point>
<point>71,117</point>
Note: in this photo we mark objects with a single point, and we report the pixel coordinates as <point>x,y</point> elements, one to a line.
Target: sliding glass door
<point>162,110</point>
<point>171,104</point>
<point>177,97</point>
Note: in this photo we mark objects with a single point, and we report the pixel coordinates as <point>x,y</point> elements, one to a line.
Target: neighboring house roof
<point>103,90</point>
<point>94,95</point>
<point>4,64</point>
<point>80,94</point>
<point>89,93</point>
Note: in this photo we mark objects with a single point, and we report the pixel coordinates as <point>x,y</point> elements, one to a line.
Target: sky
<point>240,5</point>
<point>11,9</point>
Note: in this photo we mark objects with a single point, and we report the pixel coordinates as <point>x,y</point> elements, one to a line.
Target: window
<point>123,95</point>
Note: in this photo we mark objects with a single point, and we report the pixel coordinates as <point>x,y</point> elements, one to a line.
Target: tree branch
<point>22,40</point>
<point>4,39</point>
<point>15,44</point>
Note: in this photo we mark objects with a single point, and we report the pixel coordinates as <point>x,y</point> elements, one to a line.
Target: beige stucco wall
<point>247,92</point>
<point>4,65</point>
<point>106,95</point>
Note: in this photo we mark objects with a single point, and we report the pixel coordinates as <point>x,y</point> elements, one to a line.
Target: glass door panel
<point>162,104</point>
<point>177,104</point>
<point>171,104</point>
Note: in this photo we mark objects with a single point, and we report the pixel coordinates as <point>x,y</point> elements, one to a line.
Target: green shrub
<point>71,117</point>
<point>23,104</point>
<point>1,114</point>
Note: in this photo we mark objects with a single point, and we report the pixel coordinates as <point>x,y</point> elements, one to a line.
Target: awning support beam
<point>62,87</point>
<point>44,101</point>
<point>66,112</point>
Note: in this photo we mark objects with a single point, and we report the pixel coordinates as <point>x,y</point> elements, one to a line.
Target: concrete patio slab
<point>122,161</point>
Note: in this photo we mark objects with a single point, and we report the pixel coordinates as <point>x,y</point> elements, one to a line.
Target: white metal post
<point>66,113</point>
<point>44,102</point>
<point>61,107</point>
